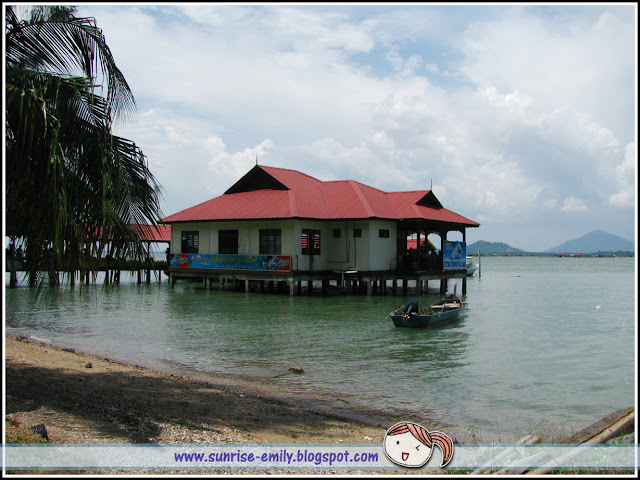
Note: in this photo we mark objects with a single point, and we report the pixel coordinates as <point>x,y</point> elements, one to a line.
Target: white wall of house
<point>338,251</point>
<point>382,245</point>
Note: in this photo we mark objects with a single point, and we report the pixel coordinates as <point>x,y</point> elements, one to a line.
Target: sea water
<point>541,343</point>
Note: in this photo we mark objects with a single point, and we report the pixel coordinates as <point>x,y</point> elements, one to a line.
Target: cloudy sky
<point>522,116</point>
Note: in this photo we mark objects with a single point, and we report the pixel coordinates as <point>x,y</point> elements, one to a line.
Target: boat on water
<point>471,267</point>
<point>440,313</point>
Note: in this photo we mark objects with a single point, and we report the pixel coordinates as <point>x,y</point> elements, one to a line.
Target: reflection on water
<point>537,339</point>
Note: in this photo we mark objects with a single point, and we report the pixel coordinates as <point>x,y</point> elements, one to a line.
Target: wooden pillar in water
<point>13,276</point>
<point>443,286</point>
<point>464,280</point>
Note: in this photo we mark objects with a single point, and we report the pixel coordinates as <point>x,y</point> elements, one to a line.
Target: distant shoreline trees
<point>74,191</point>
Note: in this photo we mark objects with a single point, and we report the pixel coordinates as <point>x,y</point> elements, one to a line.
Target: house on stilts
<point>280,228</point>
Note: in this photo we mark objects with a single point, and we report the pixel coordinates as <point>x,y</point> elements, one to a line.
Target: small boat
<point>440,313</point>
<point>471,267</point>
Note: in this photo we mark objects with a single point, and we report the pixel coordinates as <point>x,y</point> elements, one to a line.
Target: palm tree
<point>72,187</point>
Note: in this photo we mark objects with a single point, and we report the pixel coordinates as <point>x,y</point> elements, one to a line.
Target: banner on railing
<point>280,263</point>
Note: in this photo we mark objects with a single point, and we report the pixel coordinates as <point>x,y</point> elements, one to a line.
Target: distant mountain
<point>489,248</point>
<point>597,241</point>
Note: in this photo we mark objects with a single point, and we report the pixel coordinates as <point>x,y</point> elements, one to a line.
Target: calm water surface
<point>540,339</point>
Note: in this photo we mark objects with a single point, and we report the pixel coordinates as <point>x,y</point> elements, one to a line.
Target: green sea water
<point>542,343</point>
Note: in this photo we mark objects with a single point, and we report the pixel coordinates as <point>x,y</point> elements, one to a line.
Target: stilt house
<point>282,225</point>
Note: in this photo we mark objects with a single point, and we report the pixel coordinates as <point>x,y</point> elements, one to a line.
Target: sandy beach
<point>84,399</point>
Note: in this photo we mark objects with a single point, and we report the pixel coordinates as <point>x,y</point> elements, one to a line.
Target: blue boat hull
<point>429,319</point>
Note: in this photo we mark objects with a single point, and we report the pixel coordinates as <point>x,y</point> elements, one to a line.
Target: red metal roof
<point>412,243</point>
<point>308,197</point>
<point>149,233</point>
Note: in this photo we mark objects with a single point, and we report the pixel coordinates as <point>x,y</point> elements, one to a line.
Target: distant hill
<point>594,242</point>
<point>489,248</point>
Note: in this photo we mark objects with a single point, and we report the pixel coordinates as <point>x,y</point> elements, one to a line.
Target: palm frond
<point>72,186</point>
<point>55,41</point>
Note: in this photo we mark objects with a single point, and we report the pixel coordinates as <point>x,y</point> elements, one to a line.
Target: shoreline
<point>82,398</point>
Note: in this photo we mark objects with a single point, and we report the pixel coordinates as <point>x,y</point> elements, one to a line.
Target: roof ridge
<point>369,186</point>
<point>293,206</point>
<point>290,170</point>
<point>362,198</point>
<point>355,181</point>
<point>409,191</point>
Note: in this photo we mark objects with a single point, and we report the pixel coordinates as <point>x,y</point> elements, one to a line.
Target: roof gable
<point>429,200</point>
<point>256,179</point>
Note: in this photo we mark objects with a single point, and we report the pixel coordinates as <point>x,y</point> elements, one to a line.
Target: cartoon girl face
<point>406,450</point>
<point>410,445</point>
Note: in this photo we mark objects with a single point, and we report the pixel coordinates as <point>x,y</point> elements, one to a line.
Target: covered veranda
<point>425,262</point>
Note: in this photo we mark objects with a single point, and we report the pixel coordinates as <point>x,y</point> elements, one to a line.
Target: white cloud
<point>404,66</point>
<point>576,63</point>
<point>226,168</point>
<point>573,205</point>
<point>383,141</point>
<point>510,113</point>
<point>515,102</point>
<point>432,68</point>
<point>626,176</point>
